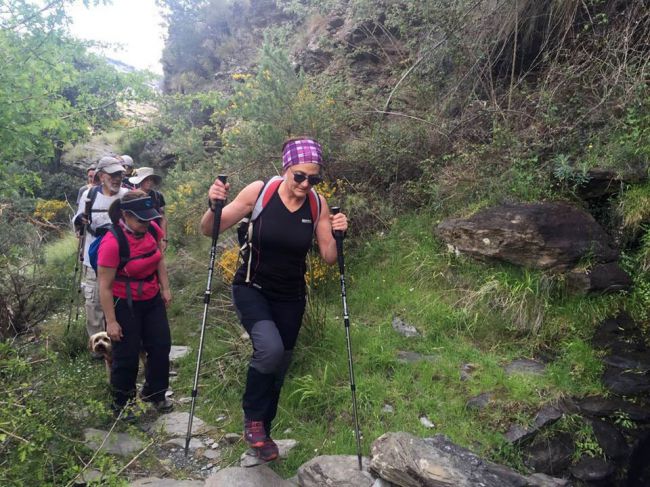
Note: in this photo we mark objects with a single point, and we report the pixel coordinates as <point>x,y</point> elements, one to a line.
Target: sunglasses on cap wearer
<point>312,179</point>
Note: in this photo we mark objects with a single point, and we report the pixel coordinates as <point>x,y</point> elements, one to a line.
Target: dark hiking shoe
<point>254,433</point>
<point>163,406</point>
<point>268,451</point>
<point>125,414</point>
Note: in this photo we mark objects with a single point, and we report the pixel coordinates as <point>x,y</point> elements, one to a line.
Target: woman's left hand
<point>166,297</point>
<point>339,222</point>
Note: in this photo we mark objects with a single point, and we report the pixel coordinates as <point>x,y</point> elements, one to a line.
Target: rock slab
<point>334,471</point>
<point>408,461</point>
<point>116,443</point>
<point>246,477</point>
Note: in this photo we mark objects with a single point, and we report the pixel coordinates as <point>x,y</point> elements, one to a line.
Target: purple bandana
<point>301,151</point>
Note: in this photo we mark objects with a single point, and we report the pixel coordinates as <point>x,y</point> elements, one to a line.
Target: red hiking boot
<point>254,433</point>
<point>268,451</point>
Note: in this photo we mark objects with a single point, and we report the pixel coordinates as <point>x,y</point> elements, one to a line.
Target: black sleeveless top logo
<point>281,240</point>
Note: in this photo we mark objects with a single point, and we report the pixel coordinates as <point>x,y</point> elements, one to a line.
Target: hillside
<point>493,160</point>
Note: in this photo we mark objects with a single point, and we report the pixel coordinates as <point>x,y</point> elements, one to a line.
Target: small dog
<point>101,343</point>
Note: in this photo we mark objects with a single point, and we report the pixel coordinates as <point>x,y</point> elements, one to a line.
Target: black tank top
<point>281,240</point>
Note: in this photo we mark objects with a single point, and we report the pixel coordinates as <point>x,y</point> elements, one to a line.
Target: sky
<point>136,24</point>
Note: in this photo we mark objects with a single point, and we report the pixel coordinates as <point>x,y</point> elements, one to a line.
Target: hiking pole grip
<point>338,237</point>
<point>216,224</point>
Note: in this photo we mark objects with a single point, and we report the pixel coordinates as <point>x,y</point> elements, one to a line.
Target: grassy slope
<point>404,273</point>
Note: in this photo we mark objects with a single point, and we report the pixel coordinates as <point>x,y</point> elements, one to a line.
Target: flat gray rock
<point>175,424</point>
<point>525,366</point>
<point>334,471</point>
<point>156,482</point>
<point>180,443</point>
<point>116,443</point>
<point>404,328</point>
<point>249,457</point>
<point>178,352</point>
<point>409,461</point>
<point>261,476</point>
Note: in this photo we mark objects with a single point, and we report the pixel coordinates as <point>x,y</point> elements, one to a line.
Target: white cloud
<point>135,24</point>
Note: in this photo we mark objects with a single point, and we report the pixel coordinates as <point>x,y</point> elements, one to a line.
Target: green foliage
<point>40,417</point>
<point>53,91</point>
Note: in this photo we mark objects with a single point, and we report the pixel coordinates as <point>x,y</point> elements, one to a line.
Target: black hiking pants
<point>273,327</point>
<point>144,327</point>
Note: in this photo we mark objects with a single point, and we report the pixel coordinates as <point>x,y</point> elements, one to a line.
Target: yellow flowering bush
<point>228,263</point>
<point>51,211</point>
<point>317,271</point>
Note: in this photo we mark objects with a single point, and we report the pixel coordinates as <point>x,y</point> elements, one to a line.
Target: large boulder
<point>554,236</point>
<point>410,461</point>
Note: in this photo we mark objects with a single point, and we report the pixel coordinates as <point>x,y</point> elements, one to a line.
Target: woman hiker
<point>134,292</point>
<point>269,287</point>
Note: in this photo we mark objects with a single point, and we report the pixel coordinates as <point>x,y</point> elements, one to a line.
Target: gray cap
<point>109,165</point>
<point>144,173</point>
<point>127,160</point>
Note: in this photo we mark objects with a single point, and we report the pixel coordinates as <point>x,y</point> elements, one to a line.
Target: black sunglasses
<point>313,179</point>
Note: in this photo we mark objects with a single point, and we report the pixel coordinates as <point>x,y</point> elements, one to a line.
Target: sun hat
<point>141,208</point>
<point>301,151</point>
<point>144,173</point>
<point>127,161</point>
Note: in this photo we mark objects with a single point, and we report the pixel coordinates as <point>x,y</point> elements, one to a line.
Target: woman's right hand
<point>114,331</point>
<point>218,190</point>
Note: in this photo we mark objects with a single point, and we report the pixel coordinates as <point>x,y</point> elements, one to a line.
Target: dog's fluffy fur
<point>101,343</point>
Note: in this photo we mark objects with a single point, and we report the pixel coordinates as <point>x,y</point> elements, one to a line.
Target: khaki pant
<point>94,313</point>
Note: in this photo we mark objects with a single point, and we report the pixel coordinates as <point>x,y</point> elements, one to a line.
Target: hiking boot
<point>125,414</point>
<point>268,451</point>
<point>163,406</point>
<point>254,433</point>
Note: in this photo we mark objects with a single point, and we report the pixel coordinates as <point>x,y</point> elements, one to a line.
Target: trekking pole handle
<point>219,203</point>
<point>335,211</point>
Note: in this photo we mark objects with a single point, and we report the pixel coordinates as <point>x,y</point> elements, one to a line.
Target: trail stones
<point>426,422</point>
<point>404,328</point>
<point>175,424</point>
<point>334,471</point>
<point>114,443</point>
<point>195,443</point>
<point>599,279</point>
<point>245,477</point>
<point>178,352</point>
<point>249,457</point>
<point>156,482</point>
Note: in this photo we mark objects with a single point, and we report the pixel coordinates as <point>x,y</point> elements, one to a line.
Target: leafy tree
<point>53,91</point>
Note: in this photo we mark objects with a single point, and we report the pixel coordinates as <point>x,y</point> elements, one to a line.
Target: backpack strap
<point>125,258</point>
<point>266,193</point>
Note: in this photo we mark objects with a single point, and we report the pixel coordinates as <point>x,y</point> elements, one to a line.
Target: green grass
<point>465,310</point>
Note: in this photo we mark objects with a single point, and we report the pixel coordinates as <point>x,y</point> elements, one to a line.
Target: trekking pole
<point>338,236</point>
<point>74,299</point>
<point>216,206</point>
